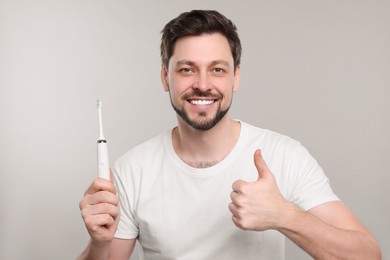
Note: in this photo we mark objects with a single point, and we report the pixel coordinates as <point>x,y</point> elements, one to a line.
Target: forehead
<point>202,48</point>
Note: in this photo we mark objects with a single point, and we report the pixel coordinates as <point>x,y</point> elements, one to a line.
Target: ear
<point>164,78</point>
<point>237,74</point>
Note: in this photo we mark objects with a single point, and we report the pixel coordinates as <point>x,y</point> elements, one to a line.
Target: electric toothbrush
<point>102,151</point>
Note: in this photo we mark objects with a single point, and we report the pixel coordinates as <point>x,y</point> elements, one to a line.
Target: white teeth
<point>201,102</point>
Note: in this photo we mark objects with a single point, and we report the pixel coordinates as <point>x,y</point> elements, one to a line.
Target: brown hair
<point>195,23</point>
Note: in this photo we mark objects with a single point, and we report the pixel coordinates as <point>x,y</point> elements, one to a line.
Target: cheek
<point>173,93</point>
<point>180,85</point>
<point>227,87</point>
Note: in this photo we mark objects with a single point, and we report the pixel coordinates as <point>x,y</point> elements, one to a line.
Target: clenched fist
<point>99,209</point>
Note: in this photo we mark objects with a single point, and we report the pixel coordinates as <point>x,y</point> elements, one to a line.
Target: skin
<point>100,212</point>
<point>204,64</point>
<point>328,231</point>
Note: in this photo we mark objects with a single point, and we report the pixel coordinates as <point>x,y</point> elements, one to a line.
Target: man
<point>213,187</point>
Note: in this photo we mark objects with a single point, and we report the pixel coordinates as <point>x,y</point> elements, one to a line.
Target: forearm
<point>94,252</point>
<point>323,241</point>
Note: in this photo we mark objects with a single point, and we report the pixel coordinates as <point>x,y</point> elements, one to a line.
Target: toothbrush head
<point>99,110</point>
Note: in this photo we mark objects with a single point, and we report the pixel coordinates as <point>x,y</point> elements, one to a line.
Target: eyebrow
<point>213,63</point>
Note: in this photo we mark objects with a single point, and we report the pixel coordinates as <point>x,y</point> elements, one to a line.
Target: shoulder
<point>279,150</point>
<point>144,152</point>
<point>268,138</point>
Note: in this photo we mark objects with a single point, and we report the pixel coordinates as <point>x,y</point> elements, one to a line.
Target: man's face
<point>201,79</point>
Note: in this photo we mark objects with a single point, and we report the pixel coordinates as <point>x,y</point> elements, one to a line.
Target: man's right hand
<point>100,211</point>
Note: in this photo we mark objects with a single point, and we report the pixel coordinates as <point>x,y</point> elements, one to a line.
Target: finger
<point>100,184</point>
<point>97,198</point>
<point>260,164</point>
<point>236,221</point>
<point>102,197</point>
<point>233,208</point>
<point>111,176</point>
<point>103,208</point>
<point>239,186</point>
<point>233,196</point>
<point>112,179</point>
<point>237,199</point>
<point>96,222</point>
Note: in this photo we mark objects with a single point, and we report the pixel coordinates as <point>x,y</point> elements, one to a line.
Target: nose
<point>202,82</point>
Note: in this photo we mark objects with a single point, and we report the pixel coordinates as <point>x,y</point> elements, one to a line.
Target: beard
<point>201,124</point>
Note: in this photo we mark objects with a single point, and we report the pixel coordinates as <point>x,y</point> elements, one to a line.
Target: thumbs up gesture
<point>258,205</point>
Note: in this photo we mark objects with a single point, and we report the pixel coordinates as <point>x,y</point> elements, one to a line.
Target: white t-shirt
<point>180,212</point>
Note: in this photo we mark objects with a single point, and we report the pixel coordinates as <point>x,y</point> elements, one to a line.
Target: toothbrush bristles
<point>98,104</point>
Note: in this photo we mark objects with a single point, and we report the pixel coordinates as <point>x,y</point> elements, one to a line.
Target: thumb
<point>260,164</point>
<point>112,180</point>
<point>111,176</point>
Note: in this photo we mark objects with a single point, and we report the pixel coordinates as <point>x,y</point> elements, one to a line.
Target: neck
<point>202,149</point>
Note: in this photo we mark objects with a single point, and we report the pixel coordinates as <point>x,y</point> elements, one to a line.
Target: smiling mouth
<point>201,102</point>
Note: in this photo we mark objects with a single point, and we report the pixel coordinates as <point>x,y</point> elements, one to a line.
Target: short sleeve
<point>127,194</point>
<point>311,187</point>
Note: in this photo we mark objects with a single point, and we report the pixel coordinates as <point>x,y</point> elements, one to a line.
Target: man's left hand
<point>258,205</point>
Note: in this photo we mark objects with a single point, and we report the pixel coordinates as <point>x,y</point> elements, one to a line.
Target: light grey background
<point>318,71</point>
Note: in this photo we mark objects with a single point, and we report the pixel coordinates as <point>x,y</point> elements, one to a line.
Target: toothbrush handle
<point>103,162</point>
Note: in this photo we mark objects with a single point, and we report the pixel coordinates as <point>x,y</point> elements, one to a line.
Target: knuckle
<point>83,214</point>
<point>94,228</point>
<point>116,200</point>
<point>96,185</point>
<point>241,186</point>
<point>231,207</point>
<point>243,224</point>
<point>100,197</point>
<point>240,223</point>
<point>88,222</point>
<point>236,184</point>
<point>239,200</point>
<point>81,204</point>
<point>116,211</point>
<point>244,187</point>
<point>234,195</point>
<point>105,207</point>
<point>105,196</point>
<point>108,219</point>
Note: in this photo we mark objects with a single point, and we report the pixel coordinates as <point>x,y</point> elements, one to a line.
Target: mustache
<point>197,93</point>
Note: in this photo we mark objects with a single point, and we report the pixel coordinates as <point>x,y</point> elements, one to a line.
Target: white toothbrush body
<point>102,150</point>
<point>103,162</point>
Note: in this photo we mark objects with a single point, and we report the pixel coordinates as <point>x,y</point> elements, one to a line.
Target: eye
<point>185,70</point>
<point>218,70</point>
